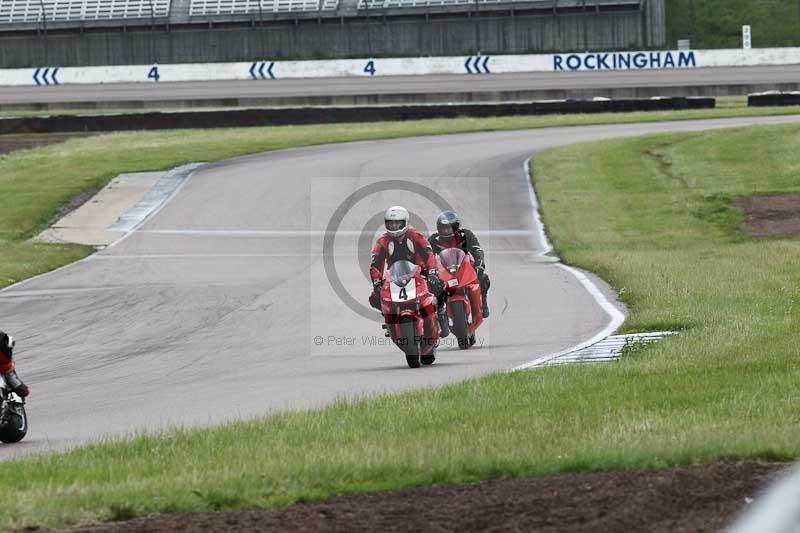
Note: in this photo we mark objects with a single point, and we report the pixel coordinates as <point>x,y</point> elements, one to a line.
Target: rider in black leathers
<point>450,234</point>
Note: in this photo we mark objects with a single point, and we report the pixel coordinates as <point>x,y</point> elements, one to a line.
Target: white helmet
<point>393,214</point>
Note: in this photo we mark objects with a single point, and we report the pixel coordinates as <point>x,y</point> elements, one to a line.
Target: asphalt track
<point>424,86</point>
<point>209,312</point>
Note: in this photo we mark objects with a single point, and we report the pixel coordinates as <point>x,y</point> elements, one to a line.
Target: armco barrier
<point>773,99</point>
<point>327,115</point>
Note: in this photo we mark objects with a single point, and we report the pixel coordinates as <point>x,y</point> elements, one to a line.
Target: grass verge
<point>650,214</point>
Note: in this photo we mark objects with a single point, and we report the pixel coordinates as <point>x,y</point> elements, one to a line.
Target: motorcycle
<point>409,309</point>
<point>13,419</point>
<point>463,294</point>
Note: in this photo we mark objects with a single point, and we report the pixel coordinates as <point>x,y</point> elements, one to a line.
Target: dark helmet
<point>448,223</point>
<point>6,344</point>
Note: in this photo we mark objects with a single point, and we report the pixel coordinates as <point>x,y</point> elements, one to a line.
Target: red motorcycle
<point>409,310</point>
<point>463,294</point>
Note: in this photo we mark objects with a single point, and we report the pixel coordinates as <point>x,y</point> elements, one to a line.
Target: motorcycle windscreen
<point>451,259</point>
<point>403,286</point>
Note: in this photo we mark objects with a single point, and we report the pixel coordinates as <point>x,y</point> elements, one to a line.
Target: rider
<point>401,242</point>
<point>450,234</point>
<point>7,366</point>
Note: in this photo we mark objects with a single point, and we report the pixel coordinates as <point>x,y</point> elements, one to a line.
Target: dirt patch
<point>11,143</point>
<point>775,215</point>
<point>696,498</point>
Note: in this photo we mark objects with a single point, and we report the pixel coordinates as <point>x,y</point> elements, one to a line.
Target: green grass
<point>718,23</point>
<point>652,215</point>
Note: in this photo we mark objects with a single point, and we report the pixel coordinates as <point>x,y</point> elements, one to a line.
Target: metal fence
<point>245,7</point>
<point>22,11</point>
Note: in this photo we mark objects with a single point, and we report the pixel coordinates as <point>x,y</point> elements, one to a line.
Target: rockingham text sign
<point>624,61</point>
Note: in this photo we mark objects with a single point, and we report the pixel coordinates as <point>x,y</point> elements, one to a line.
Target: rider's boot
<point>484,306</point>
<point>429,358</point>
<point>16,384</point>
<point>444,325</point>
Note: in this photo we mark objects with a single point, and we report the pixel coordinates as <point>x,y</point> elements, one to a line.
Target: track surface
<point>184,91</point>
<point>209,312</point>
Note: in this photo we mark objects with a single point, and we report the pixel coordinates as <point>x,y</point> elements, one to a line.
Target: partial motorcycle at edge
<point>13,419</point>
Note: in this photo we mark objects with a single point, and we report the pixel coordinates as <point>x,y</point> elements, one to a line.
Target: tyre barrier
<point>327,115</point>
<point>773,99</point>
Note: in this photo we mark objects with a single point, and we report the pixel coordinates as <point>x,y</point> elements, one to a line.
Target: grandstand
<point>20,15</point>
<point>14,12</point>
<point>101,32</point>
<point>254,7</point>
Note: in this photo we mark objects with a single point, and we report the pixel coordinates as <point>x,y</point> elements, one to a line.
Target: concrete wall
<point>440,35</point>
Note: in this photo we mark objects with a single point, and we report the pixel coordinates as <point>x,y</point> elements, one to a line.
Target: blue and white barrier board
<point>266,70</point>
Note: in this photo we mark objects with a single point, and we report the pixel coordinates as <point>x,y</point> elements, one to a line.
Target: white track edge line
<point>617,316</point>
<point>537,216</point>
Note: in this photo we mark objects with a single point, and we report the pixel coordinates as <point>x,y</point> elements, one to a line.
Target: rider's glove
<point>434,283</point>
<point>375,300</point>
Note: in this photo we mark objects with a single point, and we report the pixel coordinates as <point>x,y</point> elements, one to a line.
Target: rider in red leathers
<point>401,242</point>
<point>7,366</point>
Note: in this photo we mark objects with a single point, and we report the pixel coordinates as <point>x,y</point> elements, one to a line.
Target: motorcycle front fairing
<point>455,269</point>
<point>405,293</point>
<point>461,281</point>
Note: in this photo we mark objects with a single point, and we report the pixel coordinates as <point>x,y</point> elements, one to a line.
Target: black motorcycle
<point>13,419</point>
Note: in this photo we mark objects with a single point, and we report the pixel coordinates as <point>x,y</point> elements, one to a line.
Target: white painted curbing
<point>617,317</point>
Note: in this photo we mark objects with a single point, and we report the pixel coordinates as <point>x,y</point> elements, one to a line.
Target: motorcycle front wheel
<point>460,327</point>
<point>408,341</point>
<point>13,422</point>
